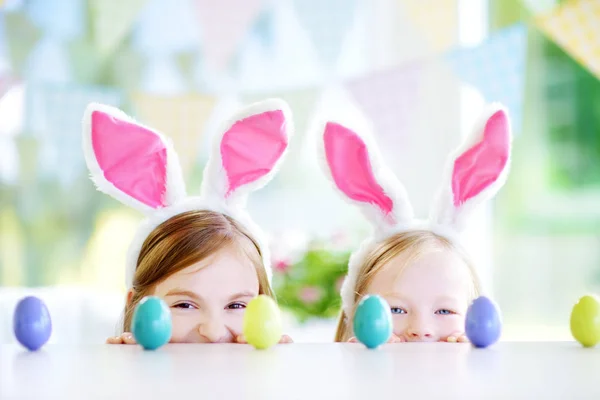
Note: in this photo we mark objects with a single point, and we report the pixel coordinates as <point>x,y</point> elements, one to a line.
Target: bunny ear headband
<point>139,167</point>
<point>473,175</point>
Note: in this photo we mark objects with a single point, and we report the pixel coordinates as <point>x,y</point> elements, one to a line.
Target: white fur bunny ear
<point>247,154</point>
<point>354,165</point>
<point>476,171</point>
<point>132,163</point>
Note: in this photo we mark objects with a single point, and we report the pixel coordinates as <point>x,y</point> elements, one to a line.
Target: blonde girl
<point>419,267</point>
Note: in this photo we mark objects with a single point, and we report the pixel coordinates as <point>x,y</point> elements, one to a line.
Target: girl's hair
<point>184,240</point>
<point>414,244</point>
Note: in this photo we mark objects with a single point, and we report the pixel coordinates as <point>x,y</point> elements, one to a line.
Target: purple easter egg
<point>31,323</point>
<point>483,324</point>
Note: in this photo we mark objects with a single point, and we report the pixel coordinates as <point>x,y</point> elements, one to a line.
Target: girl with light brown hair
<point>202,255</point>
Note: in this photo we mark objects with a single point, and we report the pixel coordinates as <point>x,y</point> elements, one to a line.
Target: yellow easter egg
<point>262,322</point>
<point>585,321</point>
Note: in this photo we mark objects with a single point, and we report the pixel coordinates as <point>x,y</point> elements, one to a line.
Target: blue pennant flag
<point>497,69</point>
<point>53,115</point>
<point>327,23</point>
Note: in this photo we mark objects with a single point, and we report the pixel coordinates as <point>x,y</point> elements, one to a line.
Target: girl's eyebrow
<point>394,295</point>
<point>186,293</point>
<point>245,293</point>
<point>197,297</point>
<point>447,298</point>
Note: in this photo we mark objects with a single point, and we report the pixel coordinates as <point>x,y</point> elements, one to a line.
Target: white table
<point>562,370</point>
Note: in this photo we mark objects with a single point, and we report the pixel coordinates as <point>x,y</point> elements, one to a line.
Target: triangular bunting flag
<point>326,23</point>
<point>21,37</point>
<point>264,28</point>
<point>112,20</point>
<point>389,99</point>
<point>86,62</point>
<point>161,75</point>
<point>126,68</point>
<point>165,28</point>
<point>223,24</point>
<point>61,19</point>
<point>575,26</point>
<point>185,63</point>
<point>181,118</point>
<point>496,68</point>
<point>49,61</point>
<point>437,20</point>
<point>7,81</point>
<point>53,115</point>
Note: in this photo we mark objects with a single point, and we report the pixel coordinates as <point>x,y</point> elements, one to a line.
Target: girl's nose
<point>419,329</point>
<point>214,331</point>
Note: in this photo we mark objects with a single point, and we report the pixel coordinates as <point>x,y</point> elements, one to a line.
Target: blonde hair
<point>413,244</point>
<point>184,240</point>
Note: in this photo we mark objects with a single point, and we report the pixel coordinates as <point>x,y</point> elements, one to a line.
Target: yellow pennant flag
<point>575,26</point>
<point>21,36</point>
<point>112,20</point>
<point>181,118</point>
<point>437,20</point>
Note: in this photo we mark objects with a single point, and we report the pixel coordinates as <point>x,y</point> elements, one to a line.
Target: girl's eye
<point>444,312</point>
<point>236,306</point>
<point>398,310</point>
<point>186,306</point>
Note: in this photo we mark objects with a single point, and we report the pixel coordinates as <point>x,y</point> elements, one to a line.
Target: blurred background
<point>417,72</point>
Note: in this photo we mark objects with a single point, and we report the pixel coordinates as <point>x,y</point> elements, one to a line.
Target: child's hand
<point>457,337</point>
<point>284,339</point>
<point>392,339</point>
<point>125,338</point>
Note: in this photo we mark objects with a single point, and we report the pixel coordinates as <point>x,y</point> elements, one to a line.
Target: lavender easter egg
<point>372,322</point>
<point>31,323</point>
<point>483,324</point>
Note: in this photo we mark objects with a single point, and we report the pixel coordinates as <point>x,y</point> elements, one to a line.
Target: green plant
<point>310,287</point>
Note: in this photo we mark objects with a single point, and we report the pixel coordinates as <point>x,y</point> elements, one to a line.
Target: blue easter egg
<point>373,321</point>
<point>31,323</point>
<point>151,325</point>
<point>483,324</point>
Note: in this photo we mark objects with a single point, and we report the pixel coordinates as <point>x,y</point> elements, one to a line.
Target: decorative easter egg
<point>373,321</point>
<point>262,322</point>
<point>151,325</point>
<point>31,323</point>
<point>585,321</point>
<point>483,324</point>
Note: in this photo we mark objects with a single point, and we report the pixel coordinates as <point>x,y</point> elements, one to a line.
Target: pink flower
<point>339,283</point>
<point>339,238</point>
<point>282,266</point>
<point>310,294</point>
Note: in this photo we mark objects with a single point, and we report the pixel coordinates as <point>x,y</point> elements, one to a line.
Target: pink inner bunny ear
<point>251,148</point>
<point>481,165</point>
<point>350,166</point>
<point>131,157</point>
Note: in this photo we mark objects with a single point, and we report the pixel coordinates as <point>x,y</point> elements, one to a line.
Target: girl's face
<point>208,299</point>
<point>429,298</point>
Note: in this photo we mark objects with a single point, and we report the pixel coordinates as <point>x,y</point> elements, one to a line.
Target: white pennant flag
<point>327,23</point>
<point>223,24</point>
